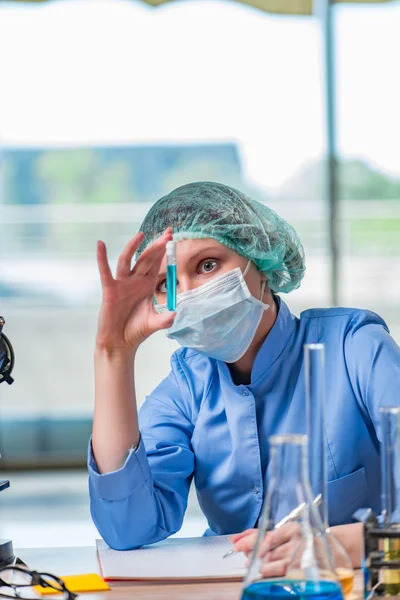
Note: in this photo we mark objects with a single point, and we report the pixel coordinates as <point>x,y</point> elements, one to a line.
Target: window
<point>107,106</point>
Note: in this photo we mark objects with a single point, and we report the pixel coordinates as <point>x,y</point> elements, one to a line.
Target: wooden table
<point>73,561</point>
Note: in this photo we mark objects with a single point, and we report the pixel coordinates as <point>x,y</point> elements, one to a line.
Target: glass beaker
<point>390,467</point>
<point>315,384</point>
<point>310,573</point>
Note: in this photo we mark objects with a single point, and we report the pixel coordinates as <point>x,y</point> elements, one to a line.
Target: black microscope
<point>6,366</point>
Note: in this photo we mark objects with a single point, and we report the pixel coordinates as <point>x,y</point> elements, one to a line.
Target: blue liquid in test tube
<point>171,276</point>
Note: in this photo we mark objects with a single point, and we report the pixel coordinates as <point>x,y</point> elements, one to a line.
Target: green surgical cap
<point>212,210</point>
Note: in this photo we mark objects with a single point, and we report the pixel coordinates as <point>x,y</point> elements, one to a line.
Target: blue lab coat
<point>198,423</point>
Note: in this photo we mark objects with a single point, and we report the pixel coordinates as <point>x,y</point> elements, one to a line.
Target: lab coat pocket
<point>346,495</point>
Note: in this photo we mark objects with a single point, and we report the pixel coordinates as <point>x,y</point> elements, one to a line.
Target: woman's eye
<point>162,287</point>
<point>207,266</point>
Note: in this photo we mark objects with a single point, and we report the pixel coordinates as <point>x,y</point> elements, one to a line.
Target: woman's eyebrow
<point>196,254</point>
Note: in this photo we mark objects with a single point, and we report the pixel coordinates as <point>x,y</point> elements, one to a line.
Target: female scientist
<point>238,378</point>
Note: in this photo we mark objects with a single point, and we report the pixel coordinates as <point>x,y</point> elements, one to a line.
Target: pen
<point>290,517</point>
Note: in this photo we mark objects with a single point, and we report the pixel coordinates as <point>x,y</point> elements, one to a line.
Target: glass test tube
<point>171,275</point>
<point>314,367</point>
<point>390,492</point>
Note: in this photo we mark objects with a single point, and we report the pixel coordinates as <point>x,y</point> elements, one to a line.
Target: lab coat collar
<point>271,348</point>
<point>274,343</point>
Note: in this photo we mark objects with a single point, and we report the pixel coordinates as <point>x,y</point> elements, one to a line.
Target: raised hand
<point>127,316</point>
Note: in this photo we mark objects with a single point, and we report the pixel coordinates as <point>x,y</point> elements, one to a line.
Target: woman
<point>238,378</point>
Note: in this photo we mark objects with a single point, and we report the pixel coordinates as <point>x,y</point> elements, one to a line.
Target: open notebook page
<point>174,558</point>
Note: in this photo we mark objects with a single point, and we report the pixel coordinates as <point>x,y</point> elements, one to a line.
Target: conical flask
<point>310,573</point>
<point>315,383</point>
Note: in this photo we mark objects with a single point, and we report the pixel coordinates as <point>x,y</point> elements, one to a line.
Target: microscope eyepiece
<point>6,356</point>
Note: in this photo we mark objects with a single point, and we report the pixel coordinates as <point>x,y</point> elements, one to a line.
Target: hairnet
<point>212,210</point>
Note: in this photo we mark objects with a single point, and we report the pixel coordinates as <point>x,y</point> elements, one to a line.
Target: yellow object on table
<point>90,582</point>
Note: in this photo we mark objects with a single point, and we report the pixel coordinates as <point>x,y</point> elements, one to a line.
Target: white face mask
<point>218,319</point>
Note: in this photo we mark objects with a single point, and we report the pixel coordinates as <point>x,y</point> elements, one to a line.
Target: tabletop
<point>74,561</point>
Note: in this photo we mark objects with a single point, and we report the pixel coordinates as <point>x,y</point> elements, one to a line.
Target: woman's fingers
<point>125,258</point>
<point>155,267</point>
<point>279,536</point>
<point>246,543</point>
<point>276,568</point>
<point>238,536</point>
<point>153,255</point>
<point>284,551</point>
<point>162,321</point>
<point>102,262</point>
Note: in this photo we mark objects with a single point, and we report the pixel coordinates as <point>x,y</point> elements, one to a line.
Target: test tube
<point>171,275</point>
<point>314,368</point>
<point>390,467</point>
<point>390,456</point>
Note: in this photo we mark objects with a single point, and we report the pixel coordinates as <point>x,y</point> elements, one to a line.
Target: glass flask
<point>390,467</point>
<point>315,384</point>
<point>310,573</point>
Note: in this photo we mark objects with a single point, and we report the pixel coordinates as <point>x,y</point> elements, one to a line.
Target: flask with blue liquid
<point>310,574</point>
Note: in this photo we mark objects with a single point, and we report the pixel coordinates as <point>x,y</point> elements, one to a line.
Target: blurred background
<point>105,106</point>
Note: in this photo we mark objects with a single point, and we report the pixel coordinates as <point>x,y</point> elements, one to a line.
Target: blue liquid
<point>171,287</point>
<point>284,589</point>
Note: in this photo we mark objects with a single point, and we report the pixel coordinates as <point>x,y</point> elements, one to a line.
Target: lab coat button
<point>245,392</point>
<point>255,490</point>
